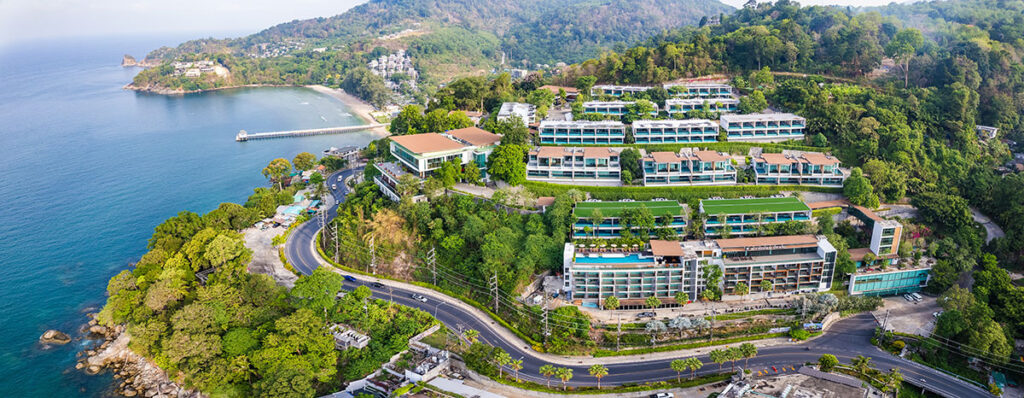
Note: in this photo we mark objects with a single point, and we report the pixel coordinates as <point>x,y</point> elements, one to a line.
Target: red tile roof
<point>427,143</point>
<point>792,241</point>
<point>666,248</point>
<point>476,136</point>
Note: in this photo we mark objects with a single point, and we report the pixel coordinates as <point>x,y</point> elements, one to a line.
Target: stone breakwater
<point>135,376</point>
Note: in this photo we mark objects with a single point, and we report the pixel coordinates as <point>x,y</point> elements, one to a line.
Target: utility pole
<point>433,264</point>
<point>886,321</point>
<point>337,248</point>
<point>494,290</point>
<point>618,333</point>
<point>547,331</point>
<point>373,257</point>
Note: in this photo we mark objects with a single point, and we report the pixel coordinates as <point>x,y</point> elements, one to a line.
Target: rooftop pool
<point>613,259</point>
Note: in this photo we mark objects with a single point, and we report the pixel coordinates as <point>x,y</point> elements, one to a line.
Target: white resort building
<point>714,104</point>
<point>674,131</point>
<point>803,168</point>
<point>526,112</point>
<point>585,166</point>
<point>763,127</point>
<point>581,132</point>
<point>688,167</point>
<point>422,153</point>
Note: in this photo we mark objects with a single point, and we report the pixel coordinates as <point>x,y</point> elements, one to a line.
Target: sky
<point>25,20</point>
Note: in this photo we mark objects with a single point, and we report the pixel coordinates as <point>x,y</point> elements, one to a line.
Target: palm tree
<point>516,365</point>
<point>653,302</point>
<point>694,364</point>
<point>501,358</point>
<point>471,335</point>
<point>680,366</point>
<point>893,381</point>
<point>732,354</point>
<point>748,351</point>
<point>598,371</point>
<point>548,370</point>
<point>861,363</point>
<point>564,374</point>
<point>718,356</point>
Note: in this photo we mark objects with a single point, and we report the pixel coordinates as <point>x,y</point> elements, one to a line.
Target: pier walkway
<point>244,136</point>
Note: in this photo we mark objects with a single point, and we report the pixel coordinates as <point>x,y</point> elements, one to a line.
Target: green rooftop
<point>753,206</point>
<point>658,208</point>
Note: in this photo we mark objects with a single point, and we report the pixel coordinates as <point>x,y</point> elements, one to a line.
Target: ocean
<point>87,170</point>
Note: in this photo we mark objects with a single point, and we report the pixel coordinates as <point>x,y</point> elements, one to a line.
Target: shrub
<point>799,334</point>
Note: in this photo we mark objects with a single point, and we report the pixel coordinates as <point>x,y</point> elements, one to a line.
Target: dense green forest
<point>445,39</point>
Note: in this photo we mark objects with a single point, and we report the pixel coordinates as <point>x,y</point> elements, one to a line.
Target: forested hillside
<point>444,38</point>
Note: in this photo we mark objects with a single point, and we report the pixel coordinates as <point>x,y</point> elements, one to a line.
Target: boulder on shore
<point>54,337</point>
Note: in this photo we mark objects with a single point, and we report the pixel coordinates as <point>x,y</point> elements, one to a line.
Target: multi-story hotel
<point>714,104</point>
<point>581,132</point>
<point>525,112</point>
<point>807,168</point>
<point>795,263</point>
<point>614,108</point>
<point>616,91</point>
<point>674,131</point>
<point>661,269</point>
<point>422,153</point>
<point>699,90</point>
<point>687,167</point>
<point>587,166</point>
<point>744,216</point>
<point>605,219</point>
<point>763,127</point>
<point>800,263</point>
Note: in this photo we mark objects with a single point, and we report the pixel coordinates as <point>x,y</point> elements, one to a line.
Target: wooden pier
<point>244,136</point>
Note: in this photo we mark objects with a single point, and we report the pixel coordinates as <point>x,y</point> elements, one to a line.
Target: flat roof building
<point>763,127</point>
<point>614,108</point>
<point>674,131</point>
<point>616,91</point>
<point>714,104</point>
<point>802,168</point>
<point>700,90</point>
<point>526,112</point>
<point>345,337</point>
<point>748,216</point>
<point>669,215</point>
<point>687,167</point>
<point>570,165</point>
<point>799,263</point>
<point>871,281</point>
<point>581,132</point>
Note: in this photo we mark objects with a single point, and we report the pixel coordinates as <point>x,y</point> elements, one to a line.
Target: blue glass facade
<point>889,283</point>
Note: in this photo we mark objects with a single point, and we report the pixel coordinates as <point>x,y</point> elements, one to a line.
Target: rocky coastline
<point>135,376</point>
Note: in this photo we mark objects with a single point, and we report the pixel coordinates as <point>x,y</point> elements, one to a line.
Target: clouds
<point>22,20</point>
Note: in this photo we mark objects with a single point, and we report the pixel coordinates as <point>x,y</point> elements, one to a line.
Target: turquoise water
<point>88,169</point>
<point>627,259</point>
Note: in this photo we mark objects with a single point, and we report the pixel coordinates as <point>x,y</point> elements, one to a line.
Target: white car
<point>334,186</point>
<point>916,296</point>
<point>418,297</point>
<point>663,395</point>
<point>340,178</point>
<point>907,297</point>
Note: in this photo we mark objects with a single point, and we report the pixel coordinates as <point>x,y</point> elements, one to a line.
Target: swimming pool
<point>630,258</point>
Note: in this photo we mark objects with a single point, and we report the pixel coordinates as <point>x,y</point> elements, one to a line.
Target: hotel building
<point>422,153</point>
<point>744,216</point>
<point>715,104</point>
<point>763,127</point>
<point>614,108</point>
<point>801,263</point>
<point>808,168</point>
<point>687,167</point>
<point>668,215</point>
<point>674,131</point>
<point>581,132</point>
<point>588,166</point>
<point>616,91</point>
<point>526,112</point>
<point>699,90</point>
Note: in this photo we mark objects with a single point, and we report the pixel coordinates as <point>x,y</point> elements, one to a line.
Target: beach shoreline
<point>360,108</point>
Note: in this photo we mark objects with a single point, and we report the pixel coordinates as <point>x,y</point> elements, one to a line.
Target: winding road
<point>845,339</point>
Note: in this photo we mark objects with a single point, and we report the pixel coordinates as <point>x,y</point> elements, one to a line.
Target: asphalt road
<point>845,339</point>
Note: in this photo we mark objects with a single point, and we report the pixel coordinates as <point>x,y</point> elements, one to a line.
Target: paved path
<point>992,230</point>
<point>845,339</point>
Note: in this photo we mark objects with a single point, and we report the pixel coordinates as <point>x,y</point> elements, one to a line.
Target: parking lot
<point>908,317</point>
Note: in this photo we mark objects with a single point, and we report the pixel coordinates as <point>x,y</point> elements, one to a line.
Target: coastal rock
<point>128,60</point>
<point>54,337</point>
<point>98,329</point>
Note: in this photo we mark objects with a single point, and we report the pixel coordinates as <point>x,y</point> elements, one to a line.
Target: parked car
<point>647,314</point>
<point>350,278</point>
<point>663,395</point>
<point>916,296</point>
<point>907,297</point>
<point>418,297</point>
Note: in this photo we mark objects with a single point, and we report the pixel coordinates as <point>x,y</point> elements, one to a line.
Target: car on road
<point>334,186</point>
<point>418,297</point>
<point>646,314</point>
<point>340,178</point>
<point>350,278</point>
<point>663,395</point>
<point>377,285</point>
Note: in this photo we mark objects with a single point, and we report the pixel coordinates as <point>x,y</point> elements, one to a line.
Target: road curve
<point>845,339</point>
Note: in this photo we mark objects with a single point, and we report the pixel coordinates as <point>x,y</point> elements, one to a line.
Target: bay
<point>87,170</point>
